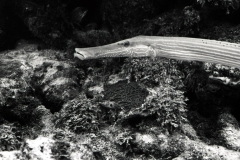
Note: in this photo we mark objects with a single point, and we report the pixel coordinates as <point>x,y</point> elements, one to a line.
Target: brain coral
<point>127,95</point>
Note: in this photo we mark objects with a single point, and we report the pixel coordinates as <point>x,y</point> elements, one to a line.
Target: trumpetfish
<point>180,48</point>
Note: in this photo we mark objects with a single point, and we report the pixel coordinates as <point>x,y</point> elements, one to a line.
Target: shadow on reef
<point>12,26</point>
<point>207,110</point>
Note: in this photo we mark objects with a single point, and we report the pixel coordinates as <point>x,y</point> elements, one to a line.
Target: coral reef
<point>136,109</point>
<point>53,107</point>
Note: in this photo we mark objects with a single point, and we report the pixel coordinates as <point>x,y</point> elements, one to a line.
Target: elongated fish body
<point>180,48</point>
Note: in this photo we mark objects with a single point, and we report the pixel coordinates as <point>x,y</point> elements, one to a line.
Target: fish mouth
<point>82,54</point>
<point>99,51</point>
<point>79,56</point>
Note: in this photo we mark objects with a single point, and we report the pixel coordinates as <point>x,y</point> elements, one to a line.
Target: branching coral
<point>11,137</point>
<point>151,72</point>
<point>125,140</point>
<point>168,105</point>
<point>79,115</point>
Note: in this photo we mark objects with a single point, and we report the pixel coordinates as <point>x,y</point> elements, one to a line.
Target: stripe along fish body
<point>180,48</point>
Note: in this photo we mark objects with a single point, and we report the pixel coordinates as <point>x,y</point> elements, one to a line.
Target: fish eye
<point>126,43</point>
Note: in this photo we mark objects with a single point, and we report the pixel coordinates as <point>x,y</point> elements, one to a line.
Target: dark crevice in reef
<point>21,108</point>
<point>203,114</point>
<point>137,121</point>
<point>50,103</point>
<point>53,105</point>
<point>235,112</point>
<point>134,120</point>
<point>9,116</point>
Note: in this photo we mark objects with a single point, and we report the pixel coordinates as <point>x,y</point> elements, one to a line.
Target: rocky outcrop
<point>230,130</point>
<point>50,109</point>
<point>44,74</point>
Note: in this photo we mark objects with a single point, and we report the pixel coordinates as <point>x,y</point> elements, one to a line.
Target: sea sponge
<point>126,95</point>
